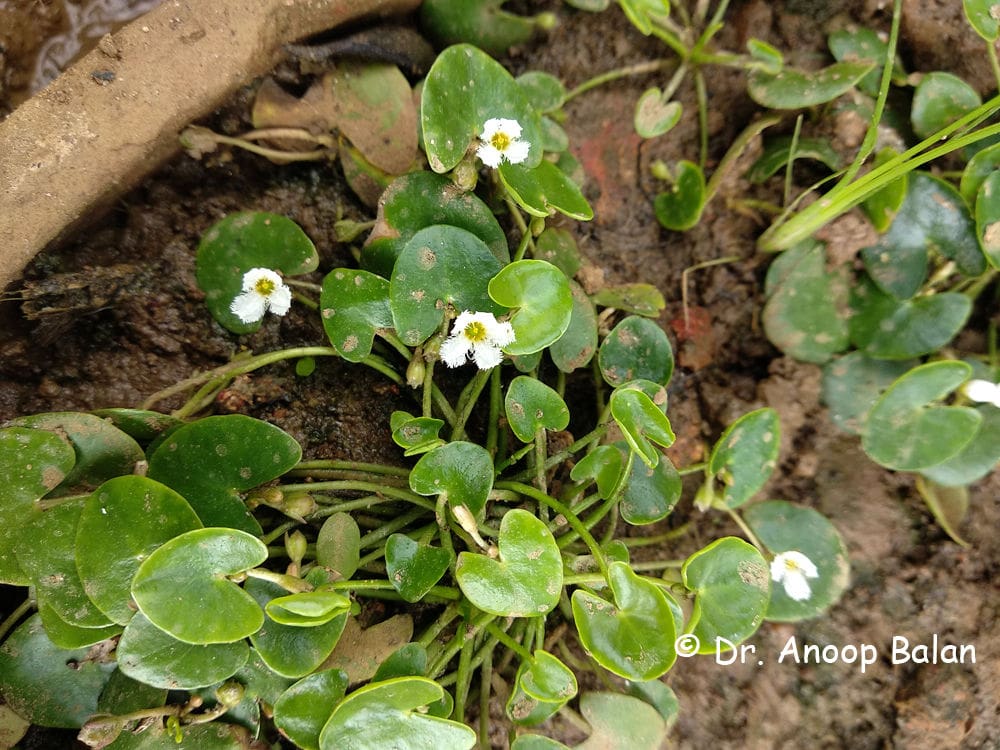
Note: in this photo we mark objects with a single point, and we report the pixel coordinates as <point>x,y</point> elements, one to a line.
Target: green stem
<point>391,527</point>
<point>467,402</point>
<point>435,628</point>
<point>496,397</point>
<point>14,617</point>
<point>352,485</point>
<point>278,531</point>
<point>485,693</point>
<point>442,592</point>
<point>497,632</point>
<point>464,677</point>
<point>289,583</point>
<point>614,75</point>
<point>745,529</point>
<point>557,458</point>
<point>667,536</point>
<point>304,467</point>
<point>786,194</point>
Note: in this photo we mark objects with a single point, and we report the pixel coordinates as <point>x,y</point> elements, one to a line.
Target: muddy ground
<point>908,579</point>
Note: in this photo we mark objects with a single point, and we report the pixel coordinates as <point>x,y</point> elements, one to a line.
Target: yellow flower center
<point>791,566</point>
<point>500,141</point>
<point>475,332</point>
<point>264,287</point>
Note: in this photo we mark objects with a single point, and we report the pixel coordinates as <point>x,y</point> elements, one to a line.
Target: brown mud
<point>908,579</point>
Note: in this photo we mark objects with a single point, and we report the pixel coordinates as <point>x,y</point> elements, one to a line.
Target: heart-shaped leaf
<point>782,527</point>
<point>642,423</point>
<point>620,722</point>
<point>33,463</point>
<point>680,207</point>
<point>908,431</point>
<point>47,553</point>
<point>525,581</point>
<point>68,635</point>
<point>640,299</point>
<point>794,89</point>
<point>462,471</point>
<point>386,714</point>
<point>658,695</point>
<point>650,494</point>
<point>147,654</point>
<point>418,200</point>
<point>544,189</point>
<point>414,568</point>
<point>732,585</point>
<point>980,166</point>
<point>543,299</point>
<point>192,568</point>
<point>988,218</point>
<point>463,89</point>
<point>576,347</point>
<point>633,636</point>
<point>121,524</point>
<point>852,44</point>
<point>408,661</point>
<point>558,247</point>
<point>354,306</point>
<point>102,450</point>
<point>653,116</point>
<point>531,405</point>
<point>308,608</point>
<point>983,17</point>
<point>806,311</point>
<point>374,109</point>
<point>636,348</point>
<point>47,685</point>
<point>210,461</point>
<point>544,91</point>
<point>288,650</point>
<point>243,241</point>
<point>939,99</point>
<point>416,434</point>
<point>778,152</point>
<point>338,545</point>
<point>853,383</point>
<point>304,708</point>
<point>543,686</point>
<point>604,464</point>
<point>481,22</point>
<point>440,264</point>
<point>745,455</point>
<point>977,459</point>
<point>886,328</point>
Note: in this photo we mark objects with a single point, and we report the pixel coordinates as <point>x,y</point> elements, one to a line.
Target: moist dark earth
<point>142,326</point>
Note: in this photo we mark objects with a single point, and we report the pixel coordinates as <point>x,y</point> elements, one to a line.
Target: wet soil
<point>908,579</point>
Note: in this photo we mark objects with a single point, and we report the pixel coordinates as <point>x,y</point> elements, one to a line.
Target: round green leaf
<point>745,455</point>
<point>102,450</point>
<point>765,57</point>
<point>243,241</point>
<point>778,152</point>
<point>538,741</point>
<point>782,527</point>
<point>853,383</point>
<point>288,650</point>
<point>558,247</point>
<point>32,463</point>
<point>338,544</point>
<point>121,524</point>
<point>418,200</point>
<point>650,494</point>
<point>732,584</point>
<point>680,207</point>
<point>384,714</point>
<point>980,166</point>
<point>620,722</point>
<point>47,553</point>
<point>640,299</point>
<point>354,306</point>
<point>463,89</point>
<point>416,434</point>
<point>988,218</point>
<point>984,17</point>
<point>462,471</point>
<point>304,708</point>
<point>69,635</point>
<point>908,431</point>
<point>794,89</point>
<point>604,464</point>
<point>440,264</point>
<point>124,695</point>
<point>543,189</point>
<point>940,99</point>
<point>525,581</point>
<point>531,405</point>
<point>806,311</point>
<point>192,568</point>
<point>141,425</point>
<point>414,568</point>
<point>47,685</point>
<point>977,459</point>
<point>147,654</point>
<point>658,695</point>
<point>481,22</point>
<point>308,608</point>
<point>545,92</point>
<point>886,328</point>
<point>543,686</point>
<point>543,299</point>
<point>654,116</point>
<point>212,460</point>
<point>636,348</point>
<point>576,347</point>
<point>633,636</point>
<point>852,44</point>
<point>642,423</point>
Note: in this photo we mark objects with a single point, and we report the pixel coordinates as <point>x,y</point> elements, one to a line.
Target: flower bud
<point>416,370</point>
<point>230,694</point>
<point>295,545</point>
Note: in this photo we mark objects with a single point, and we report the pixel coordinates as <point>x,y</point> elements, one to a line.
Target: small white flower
<point>500,141</point>
<point>792,569</point>
<point>263,290</point>
<point>480,334</point>
<point>983,391</point>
